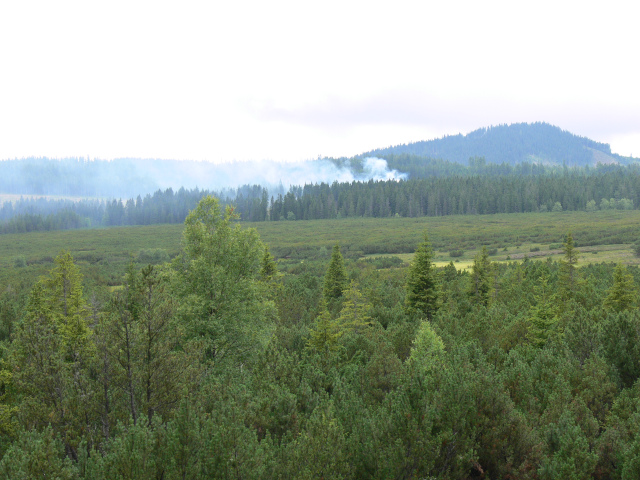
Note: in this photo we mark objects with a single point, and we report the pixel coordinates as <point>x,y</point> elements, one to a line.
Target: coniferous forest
<point>478,188</point>
<point>221,361</point>
<point>218,365</point>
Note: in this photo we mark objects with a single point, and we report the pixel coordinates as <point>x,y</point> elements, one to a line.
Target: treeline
<point>460,195</point>
<point>488,192</point>
<point>164,206</point>
<point>218,366</point>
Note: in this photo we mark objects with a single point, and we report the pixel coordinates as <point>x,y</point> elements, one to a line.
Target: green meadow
<point>603,236</point>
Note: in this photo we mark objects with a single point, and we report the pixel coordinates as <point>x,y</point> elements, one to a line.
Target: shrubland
<point>221,363</point>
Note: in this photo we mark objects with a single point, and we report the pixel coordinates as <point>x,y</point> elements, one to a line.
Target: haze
<point>289,81</point>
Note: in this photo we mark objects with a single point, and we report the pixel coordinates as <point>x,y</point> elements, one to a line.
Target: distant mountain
<point>512,144</point>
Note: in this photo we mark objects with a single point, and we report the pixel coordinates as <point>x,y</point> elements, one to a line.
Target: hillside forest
<point>219,364</point>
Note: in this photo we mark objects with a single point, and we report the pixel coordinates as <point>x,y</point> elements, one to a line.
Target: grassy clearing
<point>603,236</point>
<point>366,236</point>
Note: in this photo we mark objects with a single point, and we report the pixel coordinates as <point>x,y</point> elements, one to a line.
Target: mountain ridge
<point>512,144</point>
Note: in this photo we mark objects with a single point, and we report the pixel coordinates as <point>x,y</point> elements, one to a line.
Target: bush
<point>492,251</point>
<point>456,253</point>
<point>20,261</point>
<point>153,256</point>
<point>384,262</point>
<point>636,248</point>
<point>534,249</point>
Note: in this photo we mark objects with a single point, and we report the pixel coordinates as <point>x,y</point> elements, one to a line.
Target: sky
<point>291,80</point>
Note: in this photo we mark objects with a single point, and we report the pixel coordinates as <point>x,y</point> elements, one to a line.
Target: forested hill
<point>511,144</point>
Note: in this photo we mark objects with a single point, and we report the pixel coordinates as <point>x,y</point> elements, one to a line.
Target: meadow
<point>102,254</point>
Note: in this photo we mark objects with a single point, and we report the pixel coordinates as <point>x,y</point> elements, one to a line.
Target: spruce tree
<point>335,280</point>
<point>543,317</point>
<point>422,290</point>
<point>622,295</point>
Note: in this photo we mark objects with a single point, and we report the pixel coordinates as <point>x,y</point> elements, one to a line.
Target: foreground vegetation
<point>222,364</point>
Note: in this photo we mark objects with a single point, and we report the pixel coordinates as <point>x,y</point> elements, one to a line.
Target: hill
<point>511,144</point>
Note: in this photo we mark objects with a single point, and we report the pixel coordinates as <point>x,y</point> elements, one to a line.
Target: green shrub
<point>534,249</point>
<point>492,251</point>
<point>153,256</point>
<point>384,262</point>
<point>456,253</point>
<point>20,261</point>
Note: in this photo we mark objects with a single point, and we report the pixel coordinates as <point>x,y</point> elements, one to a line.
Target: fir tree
<point>422,290</point>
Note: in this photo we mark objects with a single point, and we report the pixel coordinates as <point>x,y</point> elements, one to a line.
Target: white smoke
<point>269,174</point>
<point>377,169</point>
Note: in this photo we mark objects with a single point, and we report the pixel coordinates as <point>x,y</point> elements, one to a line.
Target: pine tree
<point>354,315</point>
<point>335,280</point>
<point>622,295</point>
<point>422,290</point>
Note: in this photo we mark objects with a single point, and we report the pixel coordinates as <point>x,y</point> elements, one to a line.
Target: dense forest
<point>512,144</point>
<point>478,188</point>
<point>218,365</point>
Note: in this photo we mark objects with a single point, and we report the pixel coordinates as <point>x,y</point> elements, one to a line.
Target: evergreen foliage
<point>355,313</point>
<point>422,282</point>
<point>623,295</point>
<point>268,268</point>
<point>433,189</point>
<point>481,276</point>
<point>511,144</point>
<point>335,279</point>
<point>568,272</point>
<point>543,316</point>
<point>324,336</point>
<point>199,368</point>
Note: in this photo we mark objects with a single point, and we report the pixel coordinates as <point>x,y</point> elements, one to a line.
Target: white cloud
<point>290,80</point>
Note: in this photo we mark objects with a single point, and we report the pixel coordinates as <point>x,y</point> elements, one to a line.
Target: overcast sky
<point>277,80</point>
